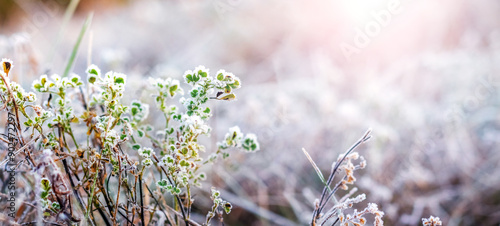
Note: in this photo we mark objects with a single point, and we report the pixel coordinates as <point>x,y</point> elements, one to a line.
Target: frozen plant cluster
<point>111,156</point>
<point>326,213</point>
<point>431,221</point>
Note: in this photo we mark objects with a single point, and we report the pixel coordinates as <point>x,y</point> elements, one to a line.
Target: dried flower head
<point>7,65</point>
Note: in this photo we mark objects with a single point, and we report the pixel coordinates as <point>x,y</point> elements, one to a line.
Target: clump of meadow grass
<point>120,169</point>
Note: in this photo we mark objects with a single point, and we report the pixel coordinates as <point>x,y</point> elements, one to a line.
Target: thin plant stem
<point>325,195</point>
<point>142,202</point>
<point>72,57</point>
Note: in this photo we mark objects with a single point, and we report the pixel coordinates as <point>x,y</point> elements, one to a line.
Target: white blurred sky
<point>250,32</point>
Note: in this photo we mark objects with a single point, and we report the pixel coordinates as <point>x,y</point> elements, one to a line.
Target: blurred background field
<point>427,82</point>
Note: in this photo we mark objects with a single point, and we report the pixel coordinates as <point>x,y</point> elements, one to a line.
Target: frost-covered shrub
<point>120,169</point>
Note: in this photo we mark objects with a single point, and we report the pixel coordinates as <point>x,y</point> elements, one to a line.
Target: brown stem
<point>119,183</point>
<point>66,169</point>
<point>176,196</point>
<point>18,125</point>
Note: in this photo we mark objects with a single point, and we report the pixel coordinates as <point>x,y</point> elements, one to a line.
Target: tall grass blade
<point>72,57</point>
<point>68,14</point>
<point>320,175</point>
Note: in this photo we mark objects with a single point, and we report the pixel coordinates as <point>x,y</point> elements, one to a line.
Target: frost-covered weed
<point>120,168</point>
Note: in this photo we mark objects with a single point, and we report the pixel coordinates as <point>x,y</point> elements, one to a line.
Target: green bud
<point>92,79</point>
<point>37,86</point>
<point>45,184</point>
<point>56,205</point>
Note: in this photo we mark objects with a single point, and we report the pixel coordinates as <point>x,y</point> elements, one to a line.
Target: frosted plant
<point>112,158</point>
<point>335,214</point>
<point>431,221</point>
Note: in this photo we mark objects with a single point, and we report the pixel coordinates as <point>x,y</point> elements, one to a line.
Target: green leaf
<point>184,151</point>
<point>235,84</point>
<point>220,76</point>
<point>184,163</point>
<point>140,133</point>
<point>119,80</point>
<point>136,147</point>
<point>44,194</point>
<point>196,78</point>
<point>56,205</point>
<point>27,123</point>
<point>173,88</point>
<point>138,104</point>
<point>134,111</point>
<point>194,93</point>
<point>38,86</point>
<point>162,183</point>
<point>207,110</point>
<point>94,72</point>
